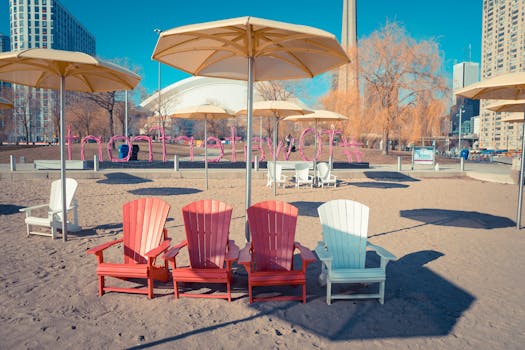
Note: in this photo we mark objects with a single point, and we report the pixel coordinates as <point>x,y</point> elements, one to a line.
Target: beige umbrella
<point>509,86</point>
<point>275,109</point>
<point>319,115</point>
<point>203,112</point>
<point>5,104</point>
<point>251,49</point>
<point>64,70</point>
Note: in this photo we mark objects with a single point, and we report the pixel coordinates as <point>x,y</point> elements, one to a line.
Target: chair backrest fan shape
<point>207,224</point>
<point>55,198</point>
<point>345,232</point>
<point>272,226</point>
<point>143,223</point>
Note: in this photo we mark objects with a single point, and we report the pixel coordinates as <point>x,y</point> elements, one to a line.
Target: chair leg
<point>101,285</point>
<point>250,295</point>
<point>328,292</point>
<point>228,290</point>
<point>176,289</point>
<point>28,230</point>
<point>150,288</point>
<point>382,292</point>
<point>304,293</point>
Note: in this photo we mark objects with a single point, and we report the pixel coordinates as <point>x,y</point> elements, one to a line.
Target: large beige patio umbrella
<point>278,110</point>
<point>5,104</point>
<point>509,86</point>
<point>203,112</point>
<point>319,115</point>
<point>64,70</point>
<point>251,49</point>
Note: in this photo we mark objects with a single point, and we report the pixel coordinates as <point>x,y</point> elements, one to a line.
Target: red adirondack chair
<point>145,238</point>
<point>268,258</point>
<point>211,253</point>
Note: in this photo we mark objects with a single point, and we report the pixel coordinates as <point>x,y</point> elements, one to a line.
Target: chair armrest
<point>100,248</point>
<point>245,256</point>
<point>28,209</point>
<point>322,252</point>
<point>172,253</point>
<point>382,251</point>
<point>233,251</point>
<point>164,245</point>
<point>305,253</point>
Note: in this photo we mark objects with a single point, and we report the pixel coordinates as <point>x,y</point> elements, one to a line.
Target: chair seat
<point>272,278</point>
<point>123,270</point>
<point>357,275</point>
<point>33,220</point>
<point>188,274</point>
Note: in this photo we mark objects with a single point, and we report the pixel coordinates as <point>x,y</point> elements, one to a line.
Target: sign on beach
<point>423,155</point>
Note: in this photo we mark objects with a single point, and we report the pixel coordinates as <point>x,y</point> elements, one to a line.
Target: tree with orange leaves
<point>402,86</point>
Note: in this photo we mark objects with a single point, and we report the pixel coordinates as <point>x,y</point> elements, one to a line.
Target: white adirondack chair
<point>302,175</point>
<point>324,175</point>
<point>343,249</point>
<point>281,179</point>
<point>53,216</point>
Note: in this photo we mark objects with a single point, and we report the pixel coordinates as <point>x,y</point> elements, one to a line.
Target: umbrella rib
<point>234,47</point>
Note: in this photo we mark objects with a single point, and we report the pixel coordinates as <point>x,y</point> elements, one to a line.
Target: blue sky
<point>125,29</point>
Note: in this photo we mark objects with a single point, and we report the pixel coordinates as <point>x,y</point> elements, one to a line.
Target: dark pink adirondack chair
<point>211,253</point>
<point>268,258</point>
<point>145,238</point>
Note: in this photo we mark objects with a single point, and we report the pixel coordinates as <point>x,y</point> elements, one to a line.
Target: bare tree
<point>275,91</point>
<point>27,110</point>
<point>399,74</point>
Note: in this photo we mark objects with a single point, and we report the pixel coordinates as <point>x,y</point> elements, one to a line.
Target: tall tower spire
<point>348,74</point>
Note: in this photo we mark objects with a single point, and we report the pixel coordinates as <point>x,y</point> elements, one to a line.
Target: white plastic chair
<point>54,216</point>
<point>302,175</point>
<point>343,249</point>
<point>324,175</point>
<point>281,179</point>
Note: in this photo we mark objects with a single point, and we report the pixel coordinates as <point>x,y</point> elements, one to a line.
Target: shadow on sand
<point>377,184</point>
<point>163,191</point>
<point>431,306</point>
<point>9,209</point>
<point>392,176</point>
<point>122,179</point>
<point>457,218</point>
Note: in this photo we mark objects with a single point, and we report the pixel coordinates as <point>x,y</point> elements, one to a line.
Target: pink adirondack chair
<point>211,253</point>
<point>145,238</point>
<point>268,258</point>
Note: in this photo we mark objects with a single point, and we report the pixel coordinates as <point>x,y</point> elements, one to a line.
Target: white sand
<point>458,282</point>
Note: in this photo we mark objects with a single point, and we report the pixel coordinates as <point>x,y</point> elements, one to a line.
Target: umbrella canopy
<point>319,115</point>
<point>203,112</point>
<point>510,106</point>
<point>64,70</point>
<point>5,104</point>
<point>275,109</point>
<point>252,49</point>
<point>509,86</point>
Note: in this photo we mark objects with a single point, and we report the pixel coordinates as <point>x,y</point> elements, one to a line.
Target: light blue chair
<point>343,249</point>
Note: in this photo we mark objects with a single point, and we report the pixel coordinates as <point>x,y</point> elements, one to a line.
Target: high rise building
<point>464,74</point>
<point>5,43</point>
<point>43,24</point>
<point>502,51</point>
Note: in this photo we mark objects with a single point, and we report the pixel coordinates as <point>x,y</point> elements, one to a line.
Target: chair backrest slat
<point>345,232</point>
<point>207,226</point>
<point>272,227</point>
<point>55,197</point>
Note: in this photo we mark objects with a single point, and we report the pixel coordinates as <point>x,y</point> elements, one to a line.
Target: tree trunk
<point>385,142</point>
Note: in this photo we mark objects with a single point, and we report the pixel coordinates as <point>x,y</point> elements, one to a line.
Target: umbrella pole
<point>315,153</point>
<point>520,192</point>
<point>275,157</point>
<point>249,103</point>
<point>206,150</point>
<point>63,159</point>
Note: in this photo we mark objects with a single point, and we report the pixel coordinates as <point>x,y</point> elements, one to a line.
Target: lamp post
<point>158,31</point>
<point>459,130</point>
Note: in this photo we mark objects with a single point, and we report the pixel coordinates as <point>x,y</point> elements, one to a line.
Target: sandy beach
<point>456,283</point>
